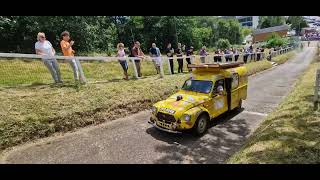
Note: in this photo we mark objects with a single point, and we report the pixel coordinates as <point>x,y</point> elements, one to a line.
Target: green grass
<point>291,134</point>
<point>284,58</point>
<point>26,72</point>
<point>31,112</point>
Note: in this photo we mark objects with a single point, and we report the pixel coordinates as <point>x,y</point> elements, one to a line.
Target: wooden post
<point>316,90</point>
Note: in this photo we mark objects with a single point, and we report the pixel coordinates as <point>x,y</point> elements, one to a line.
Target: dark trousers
<point>258,57</point>
<point>188,60</point>
<point>228,59</point>
<point>253,57</point>
<point>236,57</point>
<point>217,59</point>
<point>138,65</point>
<point>171,65</point>
<point>180,63</point>
<point>245,58</point>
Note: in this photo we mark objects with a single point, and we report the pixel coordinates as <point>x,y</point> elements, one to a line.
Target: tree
<point>246,31</point>
<point>297,23</point>
<point>201,36</point>
<point>270,21</point>
<point>275,40</point>
<point>223,44</point>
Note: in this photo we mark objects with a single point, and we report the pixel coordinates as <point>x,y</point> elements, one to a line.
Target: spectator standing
<point>245,55</point>
<point>189,52</point>
<point>203,53</point>
<point>236,54</point>
<point>156,57</point>
<point>251,51</point>
<point>122,60</point>
<point>44,48</point>
<point>170,52</point>
<point>67,50</point>
<point>258,51</point>
<point>137,52</point>
<point>228,55</point>
<point>217,56</point>
<point>179,58</point>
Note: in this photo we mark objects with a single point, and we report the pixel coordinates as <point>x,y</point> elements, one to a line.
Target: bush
<point>275,40</point>
<point>223,44</point>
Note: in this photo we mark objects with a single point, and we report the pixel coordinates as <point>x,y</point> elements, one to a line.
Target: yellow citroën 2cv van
<point>212,90</point>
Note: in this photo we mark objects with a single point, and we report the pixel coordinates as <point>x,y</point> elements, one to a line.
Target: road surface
<point>133,140</point>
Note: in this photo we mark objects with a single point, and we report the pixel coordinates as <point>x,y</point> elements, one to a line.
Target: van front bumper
<point>154,124</point>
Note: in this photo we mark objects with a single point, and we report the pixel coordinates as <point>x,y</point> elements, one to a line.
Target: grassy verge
<point>291,133</point>
<point>28,113</point>
<point>284,57</point>
<point>26,72</point>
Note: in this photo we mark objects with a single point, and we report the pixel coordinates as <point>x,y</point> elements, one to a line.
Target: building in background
<point>260,35</point>
<point>245,21</point>
<point>248,21</point>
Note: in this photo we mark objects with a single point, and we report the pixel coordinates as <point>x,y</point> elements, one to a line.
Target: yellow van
<point>212,89</point>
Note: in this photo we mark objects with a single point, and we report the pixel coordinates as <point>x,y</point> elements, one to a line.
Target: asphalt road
<point>133,140</point>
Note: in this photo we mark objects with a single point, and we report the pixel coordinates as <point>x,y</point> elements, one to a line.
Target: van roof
<point>216,65</point>
<point>215,70</point>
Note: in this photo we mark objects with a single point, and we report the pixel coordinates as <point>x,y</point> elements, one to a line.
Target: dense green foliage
<point>297,23</point>
<point>223,44</point>
<point>270,21</point>
<point>276,41</point>
<point>102,33</point>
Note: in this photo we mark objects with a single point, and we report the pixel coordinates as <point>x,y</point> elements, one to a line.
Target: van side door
<point>219,100</point>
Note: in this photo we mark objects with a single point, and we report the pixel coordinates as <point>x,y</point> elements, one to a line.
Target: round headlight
<point>187,117</point>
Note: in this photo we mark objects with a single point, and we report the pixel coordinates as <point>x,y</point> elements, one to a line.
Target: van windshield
<point>198,86</point>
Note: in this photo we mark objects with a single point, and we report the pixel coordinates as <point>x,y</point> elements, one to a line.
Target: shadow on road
<point>223,138</point>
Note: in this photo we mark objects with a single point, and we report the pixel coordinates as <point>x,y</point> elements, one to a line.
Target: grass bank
<point>291,134</point>
<point>284,57</point>
<point>32,112</point>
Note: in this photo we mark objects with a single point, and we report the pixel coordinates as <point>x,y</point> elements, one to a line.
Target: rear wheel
<point>201,125</point>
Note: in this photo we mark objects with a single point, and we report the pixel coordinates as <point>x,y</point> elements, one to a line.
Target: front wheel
<point>201,125</point>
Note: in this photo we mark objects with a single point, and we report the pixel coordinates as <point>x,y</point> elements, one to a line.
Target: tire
<point>201,125</point>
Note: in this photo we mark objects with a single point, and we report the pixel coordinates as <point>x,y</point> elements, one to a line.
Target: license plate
<point>164,125</point>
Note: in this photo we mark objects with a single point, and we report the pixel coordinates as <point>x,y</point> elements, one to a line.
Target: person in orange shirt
<point>67,50</point>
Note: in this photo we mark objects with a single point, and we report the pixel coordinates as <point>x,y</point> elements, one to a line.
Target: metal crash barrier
<point>194,58</point>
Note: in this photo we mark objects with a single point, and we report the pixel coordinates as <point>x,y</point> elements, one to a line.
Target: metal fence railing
<point>24,69</point>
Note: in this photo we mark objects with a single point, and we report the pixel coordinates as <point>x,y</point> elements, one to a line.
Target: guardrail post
<point>81,73</point>
<point>169,67</point>
<point>161,67</point>
<point>134,68</point>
